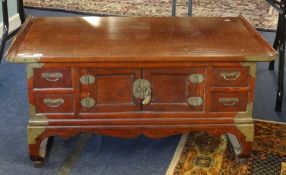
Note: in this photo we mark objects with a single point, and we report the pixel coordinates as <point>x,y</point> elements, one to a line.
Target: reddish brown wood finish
<point>138,39</point>
<point>52,78</point>
<point>229,105</point>
<point>117,51</point>
<point>228,77</point>
<point>112,90</point>
<point>66,107</point>
<point>171,88</point>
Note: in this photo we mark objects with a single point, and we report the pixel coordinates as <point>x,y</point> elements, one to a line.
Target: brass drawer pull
<point>228,101</point>
<point>52,76</point>
<point>230,76</point>
<point>54,103</point>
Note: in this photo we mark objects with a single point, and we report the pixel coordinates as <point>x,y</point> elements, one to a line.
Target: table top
<point>138,39</point>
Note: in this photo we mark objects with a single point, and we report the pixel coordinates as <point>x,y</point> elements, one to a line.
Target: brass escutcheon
<point>142,90</point>
<point>195,101</point>
<point>87,79</point>
<point>196,78</point>
<point>88,102</point>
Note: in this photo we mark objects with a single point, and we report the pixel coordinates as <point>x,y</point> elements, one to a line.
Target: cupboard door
<point>108,90</point>
<point>175,89</point>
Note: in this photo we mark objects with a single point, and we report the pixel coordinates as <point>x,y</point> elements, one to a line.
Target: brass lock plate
<point>139,88</point>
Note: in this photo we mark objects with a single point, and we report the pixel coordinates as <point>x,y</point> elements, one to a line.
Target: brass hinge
<point>87,79</point>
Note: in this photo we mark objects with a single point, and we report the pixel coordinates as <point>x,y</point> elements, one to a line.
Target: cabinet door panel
<point>171,88</point>
<point>110,90</point>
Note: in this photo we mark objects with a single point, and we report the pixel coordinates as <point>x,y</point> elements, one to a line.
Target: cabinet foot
<point>245,138</point>
<point>38,145</point>
<point>37,161</point>
<point>246,150</point>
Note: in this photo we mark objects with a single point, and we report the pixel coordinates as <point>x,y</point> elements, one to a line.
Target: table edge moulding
<point>127,76</point>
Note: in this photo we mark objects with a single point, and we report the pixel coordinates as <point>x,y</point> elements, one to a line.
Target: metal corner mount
<point>34,116</point>
<point>34,133</point>
<point>244,123</point>
<point>30,68</point>
<point>252,68</point>
<point>262,57</point>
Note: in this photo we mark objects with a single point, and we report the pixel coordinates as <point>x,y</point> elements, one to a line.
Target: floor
<point>94,154</point>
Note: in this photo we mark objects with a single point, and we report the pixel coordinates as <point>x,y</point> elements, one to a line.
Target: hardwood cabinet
<point>123,77</point>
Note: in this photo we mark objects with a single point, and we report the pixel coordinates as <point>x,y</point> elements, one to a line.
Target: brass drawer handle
<point>54,103</point>
<point>230,76</point>
<point>229,101</point>
<point>52,76</point>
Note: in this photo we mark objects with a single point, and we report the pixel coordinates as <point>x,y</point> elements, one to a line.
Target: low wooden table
<point>126,76</point>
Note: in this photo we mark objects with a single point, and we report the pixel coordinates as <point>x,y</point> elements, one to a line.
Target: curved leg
<point>244,134</point>
<point>37,145</point>
<point>245,138</point>
<point>280,85</point>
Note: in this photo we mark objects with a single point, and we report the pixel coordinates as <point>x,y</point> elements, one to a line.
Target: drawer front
<point>52,78</point>
<point>54,103</point>
<point>174,89</point>
<point>229,102</point>
<point>230,77</point>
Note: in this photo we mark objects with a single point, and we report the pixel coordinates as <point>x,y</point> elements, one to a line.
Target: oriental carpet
<point>202,154</point>
<point>258,12</point>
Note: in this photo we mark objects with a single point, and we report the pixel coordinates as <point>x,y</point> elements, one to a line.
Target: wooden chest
<point>127,76</point>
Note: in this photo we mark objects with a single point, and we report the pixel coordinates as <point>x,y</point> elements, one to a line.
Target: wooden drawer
<point>52,78</point>
<point>54,103</point>
<point>230,77</point>
<point>228,102</point>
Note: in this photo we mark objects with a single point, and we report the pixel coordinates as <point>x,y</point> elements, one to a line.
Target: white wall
<point>13,15</point>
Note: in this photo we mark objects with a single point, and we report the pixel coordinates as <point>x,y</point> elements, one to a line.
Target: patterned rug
<point>194,157</point>
<point>258,12</point>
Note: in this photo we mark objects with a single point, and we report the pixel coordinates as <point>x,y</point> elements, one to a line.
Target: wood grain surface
<point>138,39</point>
